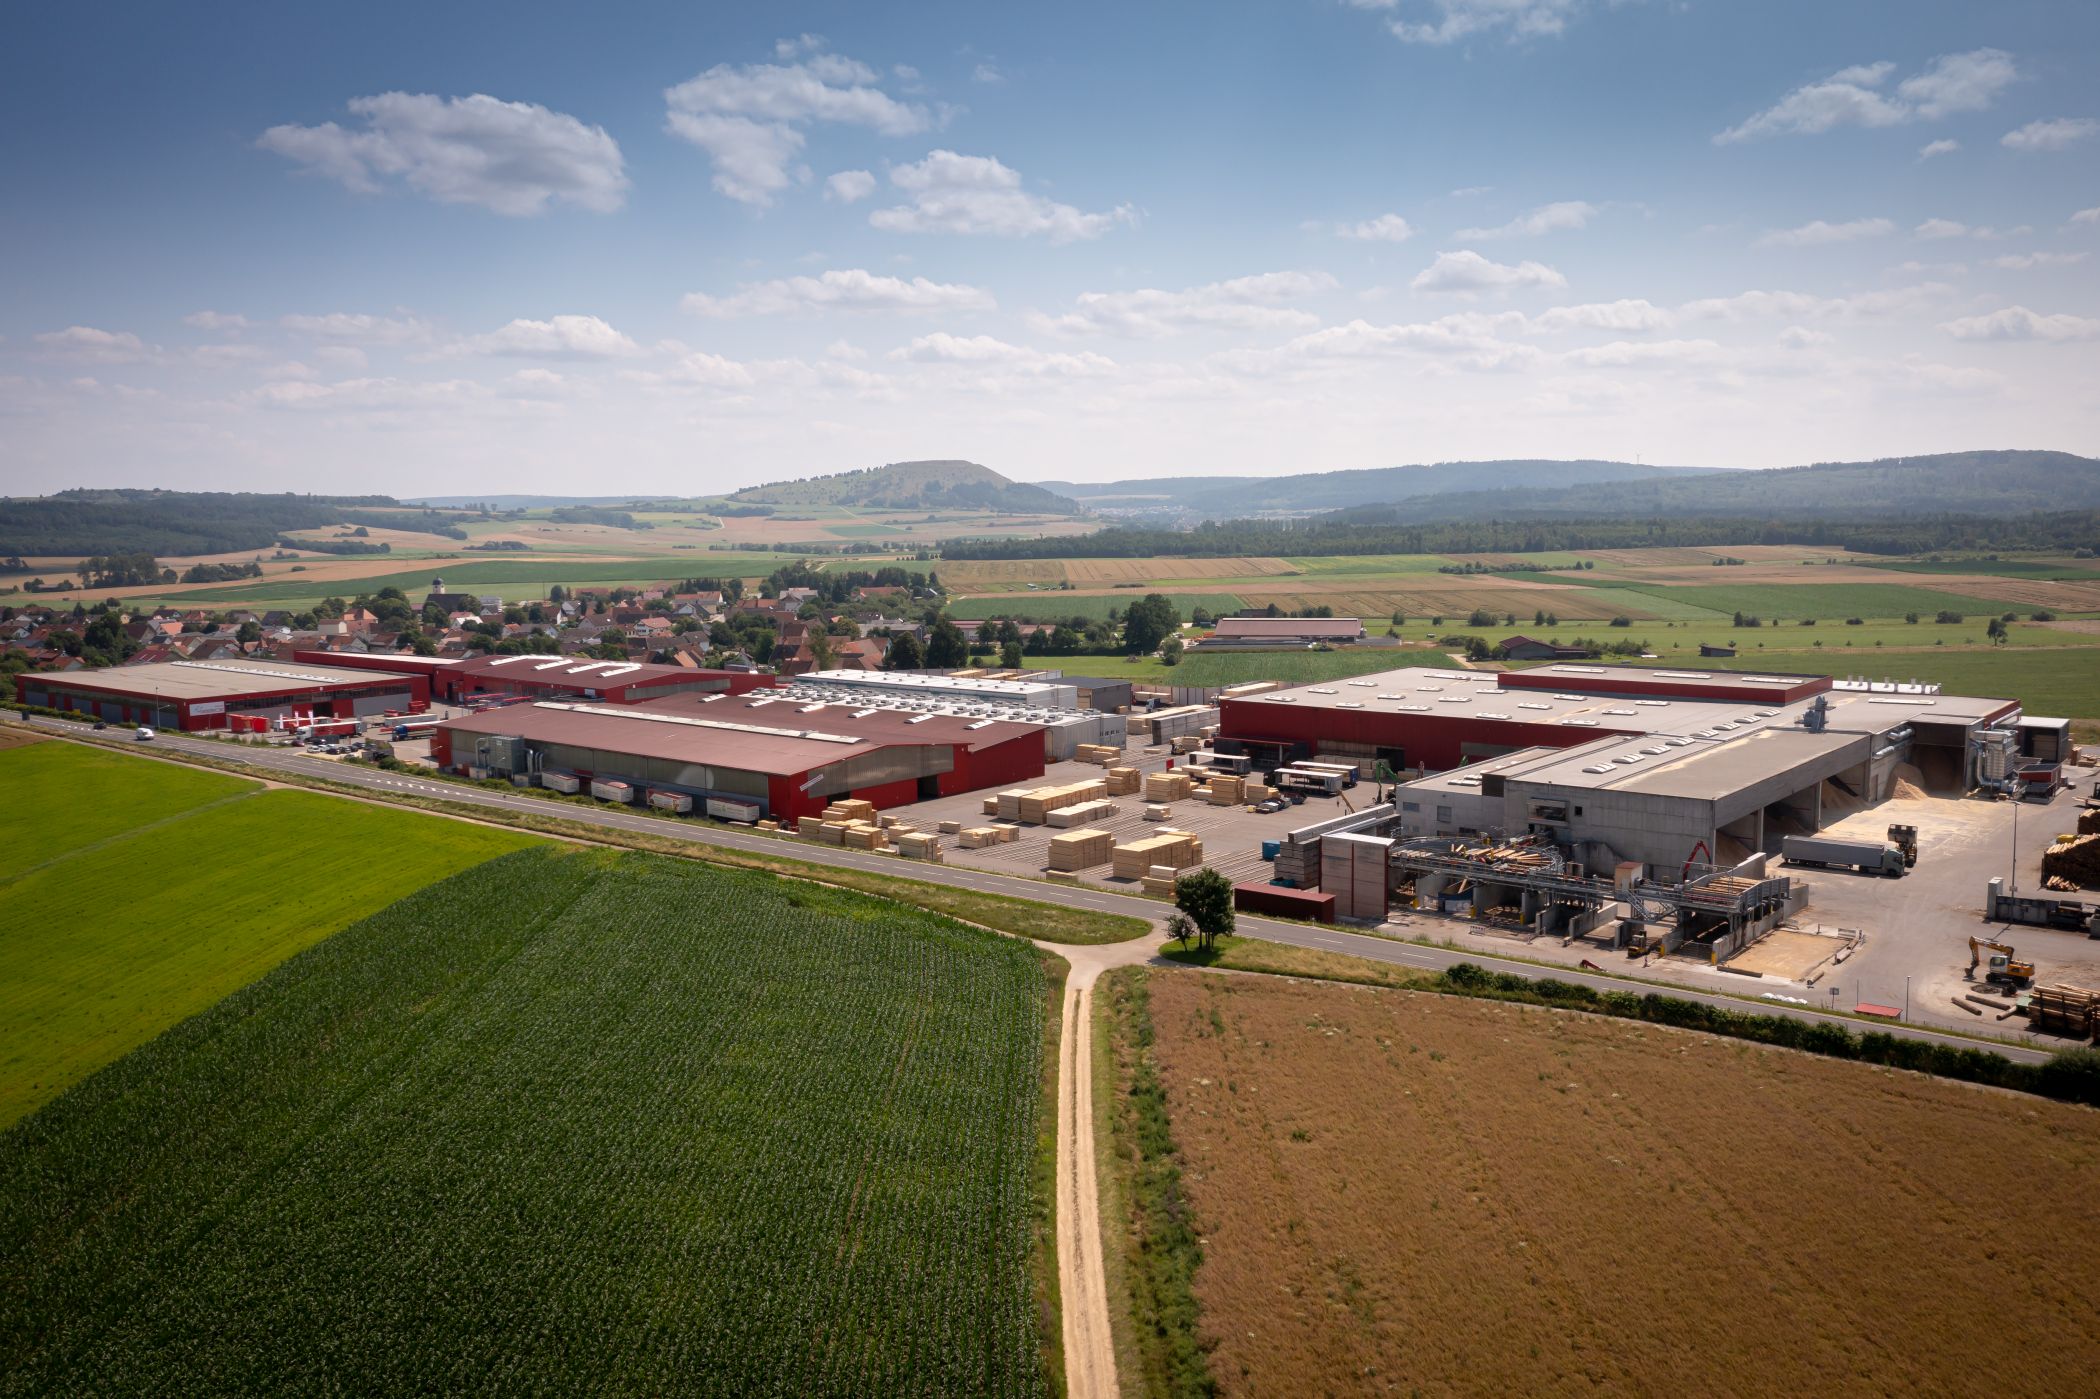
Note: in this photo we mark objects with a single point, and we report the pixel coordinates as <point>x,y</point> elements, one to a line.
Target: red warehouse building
<point>196,695</point>
<point>1441,719</point>
<point>453,680</point>
<point>780,758</point>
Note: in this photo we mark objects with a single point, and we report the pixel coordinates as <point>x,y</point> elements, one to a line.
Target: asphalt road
<point>382,783</point>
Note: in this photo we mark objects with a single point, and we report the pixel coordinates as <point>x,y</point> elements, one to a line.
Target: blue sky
<point>679,248</point>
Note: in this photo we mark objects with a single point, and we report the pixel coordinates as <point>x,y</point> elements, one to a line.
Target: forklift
<point>1905,839</point>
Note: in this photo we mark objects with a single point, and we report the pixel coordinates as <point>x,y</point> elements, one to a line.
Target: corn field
<point>564,1123</point>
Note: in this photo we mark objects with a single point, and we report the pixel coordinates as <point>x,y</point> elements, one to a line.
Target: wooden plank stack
<point>851,809</point>
<point>977,837</point>
<point>864,835</point>
<point>1101,754</point>
<point>1167,786</point>
<point>1083,813</point>
<point>951,828</point>
<point>1173,849</point>
<point>1227,790</point>
<point>2065,1010</point>
<point>1078,850</point>
<point>1034,807</point>
<point>920,845</point>
<point>1122,782</point>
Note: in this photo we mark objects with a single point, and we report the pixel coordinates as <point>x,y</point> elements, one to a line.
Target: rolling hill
<point>914,485</point>
<point>1236,497</point>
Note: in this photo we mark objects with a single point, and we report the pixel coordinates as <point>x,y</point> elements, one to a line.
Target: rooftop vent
<point>1685,674</point>
<point>1350,704</point>
<point>1598,767</point>
<point>1654,704</point>
<point>1532,704</point>
<point>1455,699</point>
<point>1584,723</point>
<point>1618,711</point>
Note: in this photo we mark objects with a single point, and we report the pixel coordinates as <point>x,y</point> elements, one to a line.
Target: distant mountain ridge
<point>914,485</point>
<point>1999,482</point>
<point>1233,497</point>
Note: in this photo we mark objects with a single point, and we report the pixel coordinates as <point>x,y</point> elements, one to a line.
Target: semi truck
<point>1822,852</point>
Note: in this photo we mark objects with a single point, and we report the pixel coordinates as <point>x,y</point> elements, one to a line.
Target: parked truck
<point>1822,852</point>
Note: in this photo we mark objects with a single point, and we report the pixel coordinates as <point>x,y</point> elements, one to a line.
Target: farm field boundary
<point>789,1144</point>
<point>110,944</point>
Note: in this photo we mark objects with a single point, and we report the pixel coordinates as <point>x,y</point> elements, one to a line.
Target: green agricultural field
<point>569,1122</point>
<point>1822,600</point>
<point>1343,565</point>
<point>1050,605</point>
<point>2060,681</point>
<point>63,798</point>
<point>2074,569</point>
<point>1870,635</point>
<point>214,882</point>
<point>524,577</point>
<point>1233,667</point>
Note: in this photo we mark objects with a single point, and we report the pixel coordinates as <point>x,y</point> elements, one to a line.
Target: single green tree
<point>1206,897</point>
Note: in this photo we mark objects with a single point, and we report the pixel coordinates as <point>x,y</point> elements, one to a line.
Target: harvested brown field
<point>1409,1192</point>
<point>14,737</point>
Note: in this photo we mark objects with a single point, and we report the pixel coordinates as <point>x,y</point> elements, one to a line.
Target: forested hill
<point>914,485</point>
<point>1232,497</point>
<point>1995,483</point>
<point>179,523</point>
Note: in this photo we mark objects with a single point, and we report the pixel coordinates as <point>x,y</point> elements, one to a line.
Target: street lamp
<point>2016,841</point>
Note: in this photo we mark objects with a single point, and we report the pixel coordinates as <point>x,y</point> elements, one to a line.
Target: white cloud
<point>1466,272</point>
<point>1937,148</point>
<point>1632,354</point>
<point>510,157</point>
<point>2022,262</point>
<point>849,289</point>
<point>849,186</point>
<point>1800,337</point>
<point>1959,82</point>
<point>367,395</point>
<point>2052,135</point>
<point>223,322</point>
<point>2019,323</point>
<point>2091,215</point>
<point>953,193</point>
<point>221,356</point>
<point>797,46</point>
<point>987,73</point>
<point>1621,316</point>
<point>345,325</point>
<point>1447,21</point>
<point>984,350</point>
<point>1938,381</point>
<point>1819,232</point>
<point>1386,228</point>
<point>1950,228</point>
<point>1468,341</point>
<point>1547,218</point>
<point>748,117</point>
<point>1242,303</point>
<point>1796,305</point>
<point>93,345</point>
<point>562,337</point>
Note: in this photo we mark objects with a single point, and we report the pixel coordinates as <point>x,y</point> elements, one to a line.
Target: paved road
<point>1377,949</point>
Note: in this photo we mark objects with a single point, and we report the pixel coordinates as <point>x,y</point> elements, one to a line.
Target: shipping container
<point>733,809</point>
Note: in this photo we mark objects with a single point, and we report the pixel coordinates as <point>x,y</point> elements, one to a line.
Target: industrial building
<point>1064,729</point>
<point>1612,764</point>
<point>199,695</point>
<point>455,680</point>
<point>1285,631</point>
<point>950,689</point>
<point>773,753</point>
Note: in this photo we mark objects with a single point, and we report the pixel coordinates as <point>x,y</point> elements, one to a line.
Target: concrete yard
<point>1231,835</point>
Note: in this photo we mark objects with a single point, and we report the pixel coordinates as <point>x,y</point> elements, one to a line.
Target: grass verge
<point>1042,1181</point>
<point>1161,1249</point>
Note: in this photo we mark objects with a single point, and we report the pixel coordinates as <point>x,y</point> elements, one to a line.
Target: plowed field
<point>1409,1193</point>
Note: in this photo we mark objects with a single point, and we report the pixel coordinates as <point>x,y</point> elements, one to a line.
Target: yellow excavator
<point>2004,967</point>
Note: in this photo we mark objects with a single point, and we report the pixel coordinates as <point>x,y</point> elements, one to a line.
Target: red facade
<point>1433,741</point>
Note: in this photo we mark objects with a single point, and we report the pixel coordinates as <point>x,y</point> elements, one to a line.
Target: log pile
<point>2065,1010</point>
<point>2075,860</point>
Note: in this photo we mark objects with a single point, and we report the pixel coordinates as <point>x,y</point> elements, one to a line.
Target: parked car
<point>102,723</point>
<point>144,735</point>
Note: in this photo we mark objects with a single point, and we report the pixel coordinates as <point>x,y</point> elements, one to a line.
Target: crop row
<point>574,1122</point>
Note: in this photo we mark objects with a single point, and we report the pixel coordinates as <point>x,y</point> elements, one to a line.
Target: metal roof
<point>229,679</point>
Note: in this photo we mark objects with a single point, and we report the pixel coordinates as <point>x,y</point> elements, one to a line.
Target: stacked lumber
<point>1084,813</point>
<point>1101,754</point>
<point>2065,1010</point>
<point>832,832</point>
<point>1122,782</point>
<point>769,825</point>
<point>1167,786</point>
<point>2077,860</point>
<point>1035,807</point>
<point>1227,790</point>
<point>1172,850</point>
<point>1158,811</point>
<point>1187,743</point>
<point>977,837</point>
<point>951,828</point>
<point>919,845</point>
<point>2088,821</point>
<point>811,826</point>
<point>864,835</point>
<point>1157,884</point>
<point>851,809</point>
<point>1078,850</point>
<point>1007,805</point>
<point>989,806</point>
